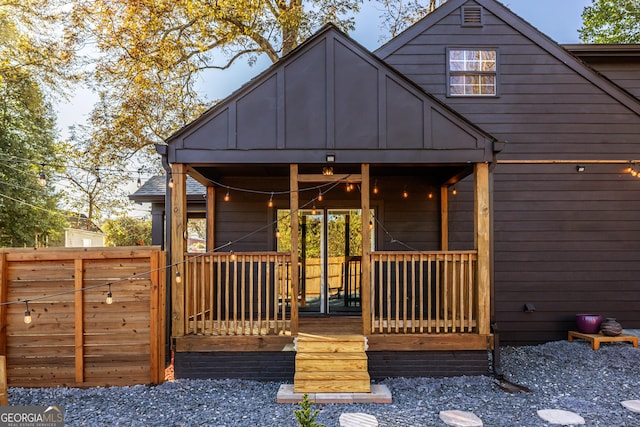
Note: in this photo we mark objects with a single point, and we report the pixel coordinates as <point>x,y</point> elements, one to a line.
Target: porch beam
<point>444,218</point>
<point>354,178</point>
<point>365,281</point>
<point>482,245</point>
<point>178,246</point>
<point>294,202</point>
<point>211,218</point>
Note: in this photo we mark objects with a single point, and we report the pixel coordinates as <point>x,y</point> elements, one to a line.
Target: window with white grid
<point>472,72</point>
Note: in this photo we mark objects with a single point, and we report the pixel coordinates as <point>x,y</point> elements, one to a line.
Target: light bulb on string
<point>270,204</point>
<point>454,191</point>
<point>320,195</point>
<point>27,313</point>
<point>42,179</point>
<point>232,255</point>
<point>109,296</point>
<point>375,187</point>
<point>227,197</point>
<point>405,193</point>
<point>313,210</point>
<point>370,225</point>
<point>430,195</point>
<point>178,277</point>
<point>277,233</point>
<point>171,182</point>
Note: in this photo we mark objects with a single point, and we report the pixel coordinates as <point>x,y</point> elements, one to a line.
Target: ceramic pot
<point>588,323</point>
<point>610,327</point>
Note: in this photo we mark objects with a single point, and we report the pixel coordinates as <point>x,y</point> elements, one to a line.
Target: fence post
<point>79,319</point>
<point>3,298</point>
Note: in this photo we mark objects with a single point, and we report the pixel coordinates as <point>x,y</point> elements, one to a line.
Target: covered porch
<point>406,300</point>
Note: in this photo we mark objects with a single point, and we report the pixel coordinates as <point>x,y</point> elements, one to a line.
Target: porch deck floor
<point>379,394</point>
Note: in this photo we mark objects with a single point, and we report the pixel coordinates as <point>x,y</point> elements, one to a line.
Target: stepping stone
<point>560,417</point>
<point>357,419</point>
<point>460,419</point>
<point>632,405</point>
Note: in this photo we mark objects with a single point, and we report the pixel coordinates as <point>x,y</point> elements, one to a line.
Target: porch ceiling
<point>435,174</point>
<point>330,95</point>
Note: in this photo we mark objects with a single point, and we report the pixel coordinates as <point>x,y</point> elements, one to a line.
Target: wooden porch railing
<point>423,292</point>
<point>237,293</point>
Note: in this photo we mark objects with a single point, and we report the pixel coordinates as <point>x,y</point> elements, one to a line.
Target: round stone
<point>632,405</point>
<point>560,417</point>
<point>357,419</point>
<point>460,419</point>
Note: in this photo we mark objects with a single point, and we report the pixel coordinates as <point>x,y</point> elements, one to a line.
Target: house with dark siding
<point>466,184</point>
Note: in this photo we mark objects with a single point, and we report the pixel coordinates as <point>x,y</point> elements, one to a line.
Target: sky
<point>558,19</point>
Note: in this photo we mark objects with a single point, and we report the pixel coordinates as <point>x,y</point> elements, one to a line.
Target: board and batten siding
<point>565,241</point>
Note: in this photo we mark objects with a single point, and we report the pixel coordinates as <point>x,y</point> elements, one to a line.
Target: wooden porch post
<point>211,218</point>
<point>482,242</point>
<point>295,280</point>
<point>444,218</point>
<point>178,245</point>
<point>365,283</point>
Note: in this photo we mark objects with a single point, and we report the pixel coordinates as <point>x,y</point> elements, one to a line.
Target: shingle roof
<point>153,190</point>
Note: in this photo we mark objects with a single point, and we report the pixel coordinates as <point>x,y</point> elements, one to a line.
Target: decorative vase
<point>610,327</point>
<point>588,323</point>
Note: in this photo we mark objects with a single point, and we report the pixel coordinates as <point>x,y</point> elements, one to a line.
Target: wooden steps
<point>331,364</point>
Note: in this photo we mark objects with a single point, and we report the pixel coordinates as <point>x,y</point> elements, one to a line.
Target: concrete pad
<point>632,405</point>
<point>460,419</point>
<point>560,417</point>
<point>357,419</point>
<point>379,394</point>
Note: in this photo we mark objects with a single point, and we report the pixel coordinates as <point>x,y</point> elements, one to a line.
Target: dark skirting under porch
<point>280,365</point>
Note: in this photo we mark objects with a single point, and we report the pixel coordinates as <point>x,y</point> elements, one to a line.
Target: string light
<point>270,204</point>
<point>313,210</point>
<point>430,195</point>
<point>227,197</point>
<point>27,313</point>
<point>454,191</point>
<point>320,196</point>
<point>375,187</point>
<point>405,193</point>
<point>42,179</point>
<point>232,255</point>
<point>178,277</point>
<point>277,233</point>
<point>171,182</point>
<point>109,296</point>
<point>370,225</point>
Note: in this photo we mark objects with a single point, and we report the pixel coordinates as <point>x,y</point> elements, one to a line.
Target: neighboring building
<point>471,177</point>
<point>83,233</point>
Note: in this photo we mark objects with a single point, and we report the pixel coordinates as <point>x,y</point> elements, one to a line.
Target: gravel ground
<point>561,375</point>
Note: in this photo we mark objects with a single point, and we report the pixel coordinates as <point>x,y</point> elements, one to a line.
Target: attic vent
<point>472,16</point>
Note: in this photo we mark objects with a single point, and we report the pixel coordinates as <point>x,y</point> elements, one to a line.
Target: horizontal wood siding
<point>258,366</point>
<point>76,338</point>
<point>567,242</point>
<point>414,221</point>
<point>625,73</point>
<point>544,108</point>
<point>388,364</point>
<point>244,219</point>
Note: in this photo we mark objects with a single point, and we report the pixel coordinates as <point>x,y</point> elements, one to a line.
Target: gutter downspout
<point>495,362</point>
<point>162,150</point>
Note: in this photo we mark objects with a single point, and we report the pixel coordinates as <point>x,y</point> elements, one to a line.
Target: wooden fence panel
<point>76,338</point>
